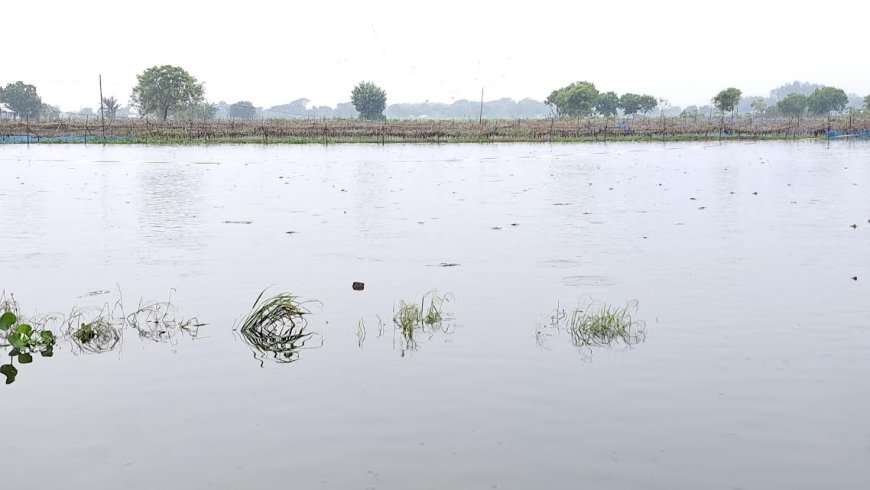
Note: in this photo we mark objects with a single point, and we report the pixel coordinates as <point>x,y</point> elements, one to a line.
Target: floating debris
<point>228,222</point>
<point>358,286</point>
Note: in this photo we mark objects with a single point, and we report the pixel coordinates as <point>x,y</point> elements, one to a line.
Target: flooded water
<point>754,372</point>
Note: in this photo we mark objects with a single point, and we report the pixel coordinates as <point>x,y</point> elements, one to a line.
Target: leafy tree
<point>647,103</point>
<point>792,105</point>
<point>243,110</point>
<point>759,105</point>
<point>201,110</point>
<point>22,99</point>
<point>783,91</point>
<point>369,100</point>
<point>161,90</point>
<point>630,103</point>
<point>110,107</point>
<point>607,104</point>
<point>867,102</point>
<point>727,99</point>
<point>690,111</point>
<point>826,99</point>
<point>575,100</point>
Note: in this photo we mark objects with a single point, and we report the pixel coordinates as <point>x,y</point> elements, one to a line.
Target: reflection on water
<point>170,206</point>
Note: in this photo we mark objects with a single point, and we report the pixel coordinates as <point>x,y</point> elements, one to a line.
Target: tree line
<point>171,92</point>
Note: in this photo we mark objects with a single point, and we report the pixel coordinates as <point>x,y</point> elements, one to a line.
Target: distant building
<point>6,112</point>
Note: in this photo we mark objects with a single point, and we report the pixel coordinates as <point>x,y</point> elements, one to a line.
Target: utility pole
<point>481,106</point>
<point>102,117</point>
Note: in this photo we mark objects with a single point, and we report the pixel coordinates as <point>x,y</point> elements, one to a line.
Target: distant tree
<point>759,106</point>
<point>22,99</point>
<point>202,110</point>
<point>161,90</point>
<point>607,104</point>
<point>575,100</point>
<point>369,100</point>
<point>690,111</point>
<point>827,99</point>
<point>49,112</point>
<point>630,103</point>
<point>243,110</point>
<point>867,102</point>
<point>647,103</point>
<point>110,107</point>
<point>783,91</point>
<point>792,105</point>
<point>86,111</point>
<point>727,99</point>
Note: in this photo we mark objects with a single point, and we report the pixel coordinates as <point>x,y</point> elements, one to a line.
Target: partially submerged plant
<point>277,326</point>
<point>160,321</point>
<point>93,333</point>
<point>604,324</point>
<point>427,317</point>
<point>24,340</point>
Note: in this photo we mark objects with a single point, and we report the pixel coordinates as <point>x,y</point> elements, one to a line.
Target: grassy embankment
<point>129,131</point>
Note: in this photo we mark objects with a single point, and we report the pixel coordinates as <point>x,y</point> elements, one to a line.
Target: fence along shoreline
<point>427,130</point>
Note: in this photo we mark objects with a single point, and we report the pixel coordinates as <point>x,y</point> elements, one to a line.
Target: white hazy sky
<point>272,52</point>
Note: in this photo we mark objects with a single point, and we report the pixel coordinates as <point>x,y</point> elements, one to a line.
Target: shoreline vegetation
<point>332,131</point>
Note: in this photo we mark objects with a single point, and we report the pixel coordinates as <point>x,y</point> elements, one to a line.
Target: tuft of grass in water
<point>600,324</point>
<point>159,321</point>
<point>426,317</point>
<point>92,332</point>
<point>277,327</point>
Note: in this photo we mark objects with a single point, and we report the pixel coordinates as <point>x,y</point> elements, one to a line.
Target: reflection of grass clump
<point>277,326</point>
<point>160,321</point>
<point>604,324</point>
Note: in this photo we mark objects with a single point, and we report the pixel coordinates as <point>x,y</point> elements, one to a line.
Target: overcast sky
<point>272,52</point>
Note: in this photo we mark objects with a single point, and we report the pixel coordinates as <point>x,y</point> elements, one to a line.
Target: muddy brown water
<point>755,372</point>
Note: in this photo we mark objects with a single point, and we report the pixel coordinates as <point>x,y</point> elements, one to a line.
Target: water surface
<point>754,373</point>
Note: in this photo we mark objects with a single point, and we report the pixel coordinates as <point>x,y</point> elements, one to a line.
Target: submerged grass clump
<point>604,324</point>
<point>426,317</point>
<point>596,324</point>
<point>159,321</point>
<point>277,327</point>
<point>92,332</point>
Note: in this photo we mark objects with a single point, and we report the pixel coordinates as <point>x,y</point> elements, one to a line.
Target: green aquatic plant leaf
<point>7,320</point>
<point>47,336</point>
<point>25,358</point>
<point>16,340</point>
<point>10,372</point>
<point>24,329</point>
<point>47,352</point>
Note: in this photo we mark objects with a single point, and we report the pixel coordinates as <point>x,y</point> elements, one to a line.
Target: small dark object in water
<point>448,264</point>
<point>754,193</point>
<point>496,227</point>
<point>291,232</point>
<point>358,286</point>
<point>691,198</point>
<point>515,224</point>
<point>854,278</point>
<point>703,207</point>
<point>853,226</point>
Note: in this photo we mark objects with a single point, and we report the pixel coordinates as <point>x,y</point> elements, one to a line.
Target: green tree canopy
<point>369,100</point>
<point>759,105</point>
<point>727,99</point>
<point>647,103</point>
<point>162,90</point>
<point>867,102</point>
<point>792,105</point>
<point>22,99</point>
<point>575,100</point>
<point>607,104</point>
<point>243,110</point>
<point>629,103</point>
<point>826,99</point>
